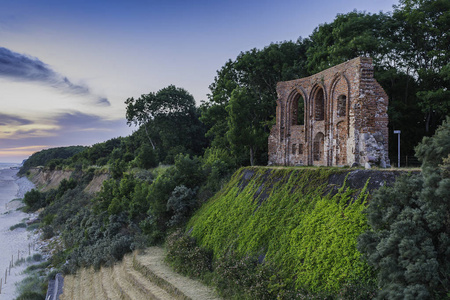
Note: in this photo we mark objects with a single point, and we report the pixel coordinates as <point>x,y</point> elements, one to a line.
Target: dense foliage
<point>280,233</point>
<point>134,210</point>
<point>410,48</point>
<point>242,103</point>
<point>283,217</point>
<point>409,239</point>
<point>49,156</point>
<point>169,118</point>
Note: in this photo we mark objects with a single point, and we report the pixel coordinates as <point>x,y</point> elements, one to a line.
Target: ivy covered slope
<point>304,221</point>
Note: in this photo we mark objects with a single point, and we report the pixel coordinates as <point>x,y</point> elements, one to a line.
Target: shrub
<point>32,288</point>
<point>409,236</point>
<point>182,203</point>
<point>34,200</point>
<point>186,257</point>
<point>19,225</point>
<point>147,157</point>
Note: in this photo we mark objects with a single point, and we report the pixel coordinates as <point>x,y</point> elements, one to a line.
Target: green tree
<point>409,239</point>
<point>422,40</point>
<point>34,200</point>
<point>244,123</point>
<point>251,77</point>
<point>170,120</point>
<point>147,157</point>
<point>410,52</point>
<point>348,36</point>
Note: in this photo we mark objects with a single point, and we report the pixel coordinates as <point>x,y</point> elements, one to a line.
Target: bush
<point>182,203</point>
<point>244,278</point>
<point>30,296</point>
<point>32,288</point>
<point>146,158</point>
<point>409,236</point>
<point>19,225</point>
<point>34,200</point>
<point>186,257</point>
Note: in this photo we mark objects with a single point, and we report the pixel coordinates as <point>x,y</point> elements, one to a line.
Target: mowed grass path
<point>141,275</point>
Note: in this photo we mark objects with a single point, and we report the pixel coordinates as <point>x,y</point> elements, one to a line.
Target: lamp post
<point>398,132</point>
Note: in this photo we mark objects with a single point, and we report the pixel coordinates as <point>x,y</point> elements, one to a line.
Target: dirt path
<point>153,260</point>
<point>139,276</point>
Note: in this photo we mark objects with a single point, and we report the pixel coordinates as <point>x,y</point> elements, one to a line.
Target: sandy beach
<point>17,241</point>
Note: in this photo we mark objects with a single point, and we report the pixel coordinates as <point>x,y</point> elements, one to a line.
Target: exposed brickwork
<point>345,118</point>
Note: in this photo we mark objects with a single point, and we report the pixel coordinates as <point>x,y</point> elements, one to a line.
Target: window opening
<point>341,106</point>
<point>298,110</point>
<point>318,147</point>
<point>319,103</point>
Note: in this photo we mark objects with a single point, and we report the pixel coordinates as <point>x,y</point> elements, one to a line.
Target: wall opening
<point>318,147</point>
<point>319,105</point>
<point>298,110</point>
<point>342,106</point>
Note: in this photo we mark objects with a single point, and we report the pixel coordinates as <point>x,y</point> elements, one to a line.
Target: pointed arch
<point>318,101</point>
<point>340,96</point>
<point>297,107</point>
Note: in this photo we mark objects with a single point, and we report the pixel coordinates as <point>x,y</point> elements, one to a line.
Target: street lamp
<point>398,132</point>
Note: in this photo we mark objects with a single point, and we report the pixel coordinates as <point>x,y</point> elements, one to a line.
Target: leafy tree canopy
<point>245,90</point>
<point>41,158</point>
<point>409,239</point>
<point>170,120</point>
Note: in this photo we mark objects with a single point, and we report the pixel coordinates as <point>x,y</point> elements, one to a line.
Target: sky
<point>66,67</point>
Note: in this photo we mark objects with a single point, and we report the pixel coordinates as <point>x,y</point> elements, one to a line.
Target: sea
<point>17,243</point>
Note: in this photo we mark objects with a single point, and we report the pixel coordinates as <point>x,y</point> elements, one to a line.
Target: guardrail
<point>55,287</point>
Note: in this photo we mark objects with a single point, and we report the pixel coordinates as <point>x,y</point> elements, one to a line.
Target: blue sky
<point>66,67</point>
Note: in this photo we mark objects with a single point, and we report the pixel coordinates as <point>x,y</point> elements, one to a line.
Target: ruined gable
<point>333,118</point>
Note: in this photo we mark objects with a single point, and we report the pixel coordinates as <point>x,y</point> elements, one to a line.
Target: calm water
<point>16,241</point>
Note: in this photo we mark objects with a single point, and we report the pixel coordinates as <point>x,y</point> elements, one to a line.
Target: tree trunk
<point>146,131</point>
<point>251,156</point>
<point>427,121</point>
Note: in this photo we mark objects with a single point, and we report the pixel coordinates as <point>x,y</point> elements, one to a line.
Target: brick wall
<point>345,118</point>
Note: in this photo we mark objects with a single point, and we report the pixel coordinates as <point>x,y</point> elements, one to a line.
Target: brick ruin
<point>336,117</point>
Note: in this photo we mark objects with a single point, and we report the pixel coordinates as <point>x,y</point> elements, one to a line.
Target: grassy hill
<point>299,226</point>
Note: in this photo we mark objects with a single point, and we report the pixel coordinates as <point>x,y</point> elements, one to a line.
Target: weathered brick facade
<point>333,118</point>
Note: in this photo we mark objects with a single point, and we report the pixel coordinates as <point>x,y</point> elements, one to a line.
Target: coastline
<point>15,242</point>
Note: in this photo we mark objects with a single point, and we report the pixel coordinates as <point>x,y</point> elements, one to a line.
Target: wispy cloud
<point>20,67</point>
<point>11,120</point>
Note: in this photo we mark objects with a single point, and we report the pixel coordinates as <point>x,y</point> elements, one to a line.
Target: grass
<point>287,216</point>
<point>19,225</point>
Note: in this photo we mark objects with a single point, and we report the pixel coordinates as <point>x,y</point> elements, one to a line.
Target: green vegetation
<point>283,217</point>
<point>411,62</point>
<point>270,233</point>
<point>18,225</point>
<point>131,211</point>
<point>409,239</point>
<point>170,121</point>
<point>34,286</point>
<point>52,157</point>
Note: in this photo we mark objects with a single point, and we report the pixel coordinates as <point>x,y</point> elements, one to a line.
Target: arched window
<point>341,106</point>
<point>298,110</point>
<point>318,146</point>
<point>319,105</point>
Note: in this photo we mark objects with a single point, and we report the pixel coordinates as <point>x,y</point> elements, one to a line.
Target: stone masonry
<point>334,118</point>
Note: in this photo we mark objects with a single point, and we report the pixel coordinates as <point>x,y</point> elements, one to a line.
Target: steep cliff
<point>303,221</point>
<point>46,179</point>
